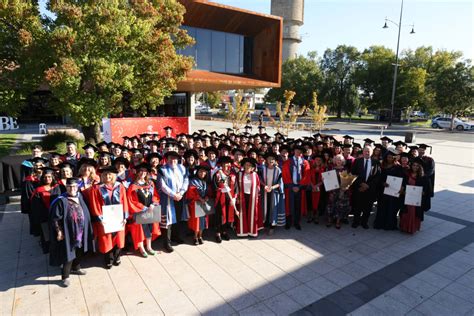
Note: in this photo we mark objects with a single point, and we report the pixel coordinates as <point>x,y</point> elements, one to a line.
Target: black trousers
<point>73,265</point>
<point>222,228</point>
<point>295,213</point>
<point>362,206</point>
<point>112,256</point>
<point>269,216</point>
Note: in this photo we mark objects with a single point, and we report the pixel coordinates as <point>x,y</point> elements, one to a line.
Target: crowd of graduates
<point>233,184</point>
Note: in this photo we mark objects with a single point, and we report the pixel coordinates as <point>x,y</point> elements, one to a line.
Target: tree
<point>454,91</point>
<point>22,45</point>
<point>213,99</point>
<point>238,114</point>
<point>318,113</point>
<point>374,76</point>
<point>112,54</point>
<point>339,66</point>
<point>301,75</point>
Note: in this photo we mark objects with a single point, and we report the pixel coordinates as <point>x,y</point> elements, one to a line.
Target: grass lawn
<point>6,142</point>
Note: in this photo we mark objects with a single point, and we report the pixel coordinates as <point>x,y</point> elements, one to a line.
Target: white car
<point>445,122</point>
<point>203,108</point>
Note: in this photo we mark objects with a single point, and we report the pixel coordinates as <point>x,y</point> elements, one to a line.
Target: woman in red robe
<point>317,168</point>
<point>250,219</point>
<point>108,192</point>
<point>198,191</point>
<point>141,195</point>
<point>224,182</point>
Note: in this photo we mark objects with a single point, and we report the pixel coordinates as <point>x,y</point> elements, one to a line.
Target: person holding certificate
<point>108,192</point>
<point>141,197</point>
<point>338,200</point>
<point>411,216</point>
<point>388,195</point>
<point>198,192</point>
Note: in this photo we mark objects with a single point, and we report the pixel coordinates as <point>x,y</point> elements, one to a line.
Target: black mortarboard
<point>224,160</point>
<point>348,137</point>
<point>153,155</point>
<point>369,141</point>
<point>407,155</point>
<point>224,147</point>
<point>167,128</point>
<point>298,147</point>
<point>87,146</point>
<point>379,146</point>
<point>86,161</point>
<point>388,139</point>
<point>171,153</point>
<point>414,147</point>
<point>122,160</point>
<point>347,146</point>
<point>143,165</point>
<point>72,181</point>
<point>110,169</point>
<point>229,129</point>
<point>211,149</point>
<point>104,154</point>
<point>39,160</point>
<point>261,127</point>
<point>424,146</point>
<point>419,161</point>
<point>356,145</point>
<point>47,170</point>
<point>65,164</point>
<point>100,144</point>
<point>70,142</point>
<point>285,147</point>
<point>400,143</point>
<point>191,152</point>
<point>54,154</point>
<point>271,154</point>
<point>251,161</point>
<point>248,127</point>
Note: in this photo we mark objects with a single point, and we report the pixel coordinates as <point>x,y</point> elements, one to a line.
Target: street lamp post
<point>395,71</point>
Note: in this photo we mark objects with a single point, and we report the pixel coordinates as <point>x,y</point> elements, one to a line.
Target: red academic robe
<point>221,196</point>
<point>134,206</point>
<point>192,196</point>
<point>250,219</point>
<point>316,179</point>
<point>106,242</point>
<point>288,181</point>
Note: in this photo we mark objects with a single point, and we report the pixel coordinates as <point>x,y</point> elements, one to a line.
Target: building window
<point>219,51</point>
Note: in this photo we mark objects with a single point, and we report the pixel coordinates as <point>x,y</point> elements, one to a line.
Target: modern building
<point>234,49</point>
<point>292,12</point>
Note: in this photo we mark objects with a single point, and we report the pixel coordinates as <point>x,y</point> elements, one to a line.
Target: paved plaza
<point>317,270</point>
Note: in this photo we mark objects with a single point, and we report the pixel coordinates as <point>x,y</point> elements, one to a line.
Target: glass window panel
<point>241,54</point>
<point>218,51</point>
<point>232,53</point>
<point>189,50</point>
<point>203,47</point>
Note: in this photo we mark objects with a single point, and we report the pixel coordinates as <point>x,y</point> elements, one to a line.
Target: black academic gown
<point>424,182</point>
<point>63,251</point>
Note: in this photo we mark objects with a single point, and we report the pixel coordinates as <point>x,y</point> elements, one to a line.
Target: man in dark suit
<point>364,187</point>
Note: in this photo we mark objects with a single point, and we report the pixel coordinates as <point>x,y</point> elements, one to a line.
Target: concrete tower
<point>292,12</point>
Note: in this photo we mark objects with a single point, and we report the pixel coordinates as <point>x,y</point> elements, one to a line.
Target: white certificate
<point>394,186</point>
<point>112,218</point>
<point>330,180</point>
<point>413,195</point>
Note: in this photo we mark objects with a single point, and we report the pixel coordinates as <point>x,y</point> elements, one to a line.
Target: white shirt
<point>269,179</point>
<point>247,183</point>
<point>369,166</point>
<point>298,164</point>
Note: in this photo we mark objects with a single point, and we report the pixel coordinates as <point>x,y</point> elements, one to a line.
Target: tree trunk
<point>91,133</point>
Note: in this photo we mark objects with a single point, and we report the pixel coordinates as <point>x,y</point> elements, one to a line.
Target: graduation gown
<point>273,203</point>
<point>287,174</point>
<point>197,189</point>
<point>250,219</point>
<point>170,214</point>
<point>64,251</point>
<point>135,206</point>
<point>40,203</point>
<point>100,196</point>
<point>224,208</point>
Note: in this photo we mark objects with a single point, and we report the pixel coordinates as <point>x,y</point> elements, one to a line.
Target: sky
<point>444,24</point>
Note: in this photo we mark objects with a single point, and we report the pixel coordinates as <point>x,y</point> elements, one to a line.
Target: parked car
<point>203,109</point>
<point>445,122</point>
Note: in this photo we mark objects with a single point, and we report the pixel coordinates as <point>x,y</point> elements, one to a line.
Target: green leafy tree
<point>213,99</point>
<point>454,89</point>
<point>22,45</point>
<point>114,54</point>
<point>301,75</point>
<point>339,66</point>
<point>237,114</point>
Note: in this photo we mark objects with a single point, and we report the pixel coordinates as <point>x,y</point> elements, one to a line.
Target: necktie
<point>365,168</point>
<point>298,175</point>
